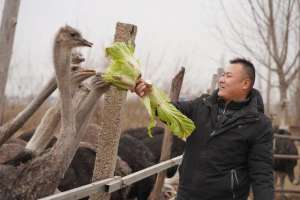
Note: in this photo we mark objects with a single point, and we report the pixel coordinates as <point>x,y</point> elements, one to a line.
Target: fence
<point>113,184</point>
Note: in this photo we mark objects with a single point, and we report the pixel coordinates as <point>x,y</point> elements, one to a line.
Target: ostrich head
<point>77,58</point>
<point>71,38</point>
<point>79,74</point>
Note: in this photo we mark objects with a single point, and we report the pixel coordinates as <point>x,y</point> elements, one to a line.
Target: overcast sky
<point>170,33</point>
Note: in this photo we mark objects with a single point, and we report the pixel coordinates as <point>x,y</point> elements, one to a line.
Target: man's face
<point>234,83</point>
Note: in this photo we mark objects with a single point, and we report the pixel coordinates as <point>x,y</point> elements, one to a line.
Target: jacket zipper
<point>233,179</point>
<point>223,113</point>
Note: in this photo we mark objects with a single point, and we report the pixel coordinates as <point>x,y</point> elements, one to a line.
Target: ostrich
<point>11,149</point>
<point>130,148</point>
<point>142,132</point>
<point>155,144</point>
<point>81,169</point>
<point>138,157</point>
<point>45,130</point>
<point>283,167</point>
<point>49,168</point>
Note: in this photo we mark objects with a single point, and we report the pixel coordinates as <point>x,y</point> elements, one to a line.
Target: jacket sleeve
<point>260,161</point>
<point>186,107</point>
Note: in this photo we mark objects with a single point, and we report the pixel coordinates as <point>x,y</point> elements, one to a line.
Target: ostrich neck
<point>49,123</point>
<point>44,131</point>
<point>62,58</point>
<point>87,107</point>
<point>69,146</point>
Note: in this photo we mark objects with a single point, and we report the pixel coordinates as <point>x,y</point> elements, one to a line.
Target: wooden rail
<point>291,137</point>
<point>115,183</point>
<point>286,157</point>
<point>288,191</point>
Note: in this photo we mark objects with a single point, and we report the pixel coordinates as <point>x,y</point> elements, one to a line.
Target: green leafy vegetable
<point>123,72</point>
<point>158,104</point>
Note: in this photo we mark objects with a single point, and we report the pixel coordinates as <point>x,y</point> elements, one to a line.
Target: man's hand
<point>142,88</point>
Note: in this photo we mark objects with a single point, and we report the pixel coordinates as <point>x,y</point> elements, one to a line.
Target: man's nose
<point>221,79</point>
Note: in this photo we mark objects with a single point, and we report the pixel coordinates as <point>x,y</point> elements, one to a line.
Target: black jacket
<point>230,149</point>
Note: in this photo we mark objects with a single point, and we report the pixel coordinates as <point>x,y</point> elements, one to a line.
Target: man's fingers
<point>140,87</point>
<point>139,81</point>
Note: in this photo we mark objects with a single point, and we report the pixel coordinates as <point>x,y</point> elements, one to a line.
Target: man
<point>231,147</point>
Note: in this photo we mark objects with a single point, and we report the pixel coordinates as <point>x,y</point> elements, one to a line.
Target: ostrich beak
<point>77,60</point>
<point>82,74</point>
<point>86,43</point>
<point>81,59</point>
<point>88,72</point>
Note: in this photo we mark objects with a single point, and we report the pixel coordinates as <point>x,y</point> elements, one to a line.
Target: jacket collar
<point>253,104</point>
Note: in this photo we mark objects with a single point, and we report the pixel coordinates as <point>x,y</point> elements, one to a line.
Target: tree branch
<point>293,76</point>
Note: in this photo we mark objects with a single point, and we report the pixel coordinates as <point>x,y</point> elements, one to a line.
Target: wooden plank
<point>7,36</point>
<point>137,176</point>
<point>287,191</point>
<point>291,137</point>
<point>286,157</point>
<point>213,84</point>
<point>81,192</point>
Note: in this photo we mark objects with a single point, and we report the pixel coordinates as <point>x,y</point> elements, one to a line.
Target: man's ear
<point>246,84</point>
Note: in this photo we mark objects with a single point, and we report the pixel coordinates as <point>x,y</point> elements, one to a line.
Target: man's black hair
<point>248,66</point>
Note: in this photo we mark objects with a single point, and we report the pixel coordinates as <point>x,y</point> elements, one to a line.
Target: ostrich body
<point>130,148</point>
<point>155,144</point>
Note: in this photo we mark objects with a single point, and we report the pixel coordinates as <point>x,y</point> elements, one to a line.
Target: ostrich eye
<point>73,34</point>
<point>74,68</point>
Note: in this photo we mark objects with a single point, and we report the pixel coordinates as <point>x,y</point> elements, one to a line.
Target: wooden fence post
<point>215,79</point>
<point>7,35</point>
<point>168,138</point>
<point>108,139</point>
<point>213,84</point>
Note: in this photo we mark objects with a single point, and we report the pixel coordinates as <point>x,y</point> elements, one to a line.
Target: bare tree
<point>7,35</point>
<point>274,33</point>
<point>297,93</point>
